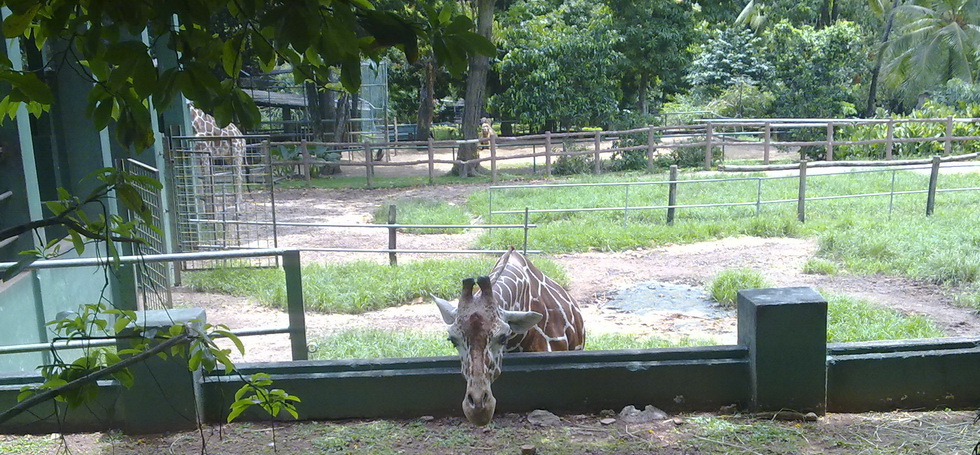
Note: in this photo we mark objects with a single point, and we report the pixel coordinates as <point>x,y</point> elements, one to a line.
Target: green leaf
<point>16,24</point>
<point>234,339</point>
<point>125,377</point>
<point>231,55</point>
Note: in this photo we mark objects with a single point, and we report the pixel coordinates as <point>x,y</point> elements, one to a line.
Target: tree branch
<point>91,377</point>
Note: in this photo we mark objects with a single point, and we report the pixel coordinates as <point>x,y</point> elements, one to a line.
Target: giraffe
<point>213,154</point>
<point>517,308</point>
<point>486,131</point>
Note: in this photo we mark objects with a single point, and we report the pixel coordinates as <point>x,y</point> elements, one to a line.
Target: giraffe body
<point>215,156</point>
<point>517,308</point>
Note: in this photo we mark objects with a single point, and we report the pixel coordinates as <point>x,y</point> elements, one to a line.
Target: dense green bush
<point>930,109</point>
<point>577,164</point>
<point>445,133</point>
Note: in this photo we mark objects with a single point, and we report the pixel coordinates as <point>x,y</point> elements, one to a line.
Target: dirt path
<point>594,277</point>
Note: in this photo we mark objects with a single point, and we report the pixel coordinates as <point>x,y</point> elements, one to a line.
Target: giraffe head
<point>480,329</point>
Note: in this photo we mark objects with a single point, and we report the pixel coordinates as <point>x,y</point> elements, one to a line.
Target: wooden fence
<point>705,137</point>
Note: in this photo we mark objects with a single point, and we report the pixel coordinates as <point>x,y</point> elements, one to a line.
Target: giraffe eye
<point>502,339</point>
<point>454,341</point>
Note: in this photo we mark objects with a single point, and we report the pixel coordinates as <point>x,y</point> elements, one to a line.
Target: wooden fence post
<point>597,164</point>
<point>707,146</point>
<point>890,139</point>
<point>392,235</point>
<point>671,194</point>
<point>801,199</point>
<point>493,158</point>
<point>650,147</point>
<point>766,139</point>
<point>547,153</point>
<point>369,165</point>
<point>948,148</point>
<point>830,141</point>
<point>933,184</point>
<point>432,163</point>
<point>306,160</point>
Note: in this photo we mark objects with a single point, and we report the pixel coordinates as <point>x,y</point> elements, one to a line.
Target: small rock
<point>650,413</point>
<point>728,410</point>
<point>427,418</point>
<point>528,450</point>
<point>607,421</point>
<point>678,421</point>
<point>607,413</point>
<point>789,415</point>
<point>810,417</point>
<point>543,418</point>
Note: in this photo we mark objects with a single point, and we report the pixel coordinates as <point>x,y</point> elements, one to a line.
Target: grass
<point>370,343</point>
<point>424,211</point>
<point>850,319</point>
<point>863,235</point>
<point>354,287</point>
<point>820,266</point>
<point>725,286</point>
<point>919,433</point>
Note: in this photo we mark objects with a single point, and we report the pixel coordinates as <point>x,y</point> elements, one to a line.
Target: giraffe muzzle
<point>479,406</point>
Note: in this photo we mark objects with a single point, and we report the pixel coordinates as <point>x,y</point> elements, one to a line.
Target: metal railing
<point>673,182</point>
<point>294,293</point>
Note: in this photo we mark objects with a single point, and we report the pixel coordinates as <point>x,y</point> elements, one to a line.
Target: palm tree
<point>935,41</point>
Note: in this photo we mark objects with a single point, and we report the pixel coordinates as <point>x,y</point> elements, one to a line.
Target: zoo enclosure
<point>781,361</point>
<point>703,138</point>
<point>673,183</point>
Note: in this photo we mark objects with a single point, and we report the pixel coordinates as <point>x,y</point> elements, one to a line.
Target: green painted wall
<point>18,303</point>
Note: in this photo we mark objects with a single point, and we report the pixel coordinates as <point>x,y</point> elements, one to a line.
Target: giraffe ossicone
<point>517,308</point>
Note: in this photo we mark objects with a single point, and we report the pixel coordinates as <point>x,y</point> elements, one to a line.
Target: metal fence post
<point>547,153</point>
<point>948,146</point>
<point>707,146</point>
<point>766,140</point>
<point>890,139</point>
<point>830,141</point>
<point>597,164</point>
<point>672,194</point>
<point>650,147</point>
<point>801,200</point>
<point>933,183</point>
<point>392,235</point>
<point>294,304</point>
<point>493,158</point>
<point>432,163</point>
<point>526,218</point>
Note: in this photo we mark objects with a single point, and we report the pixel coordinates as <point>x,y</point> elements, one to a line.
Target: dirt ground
<point>594,277</point>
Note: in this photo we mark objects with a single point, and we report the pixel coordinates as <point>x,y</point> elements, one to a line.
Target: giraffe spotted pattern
<point>516,308</point>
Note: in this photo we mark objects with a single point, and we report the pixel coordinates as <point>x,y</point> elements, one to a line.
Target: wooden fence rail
<point>603,145</point>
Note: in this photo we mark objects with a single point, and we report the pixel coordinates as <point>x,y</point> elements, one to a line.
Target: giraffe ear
<point>521,321</point>
<point>446,308</point>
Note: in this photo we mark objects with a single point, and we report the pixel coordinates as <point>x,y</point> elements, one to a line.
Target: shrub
<point>445,133</point>
<point>725,286</point>
<point>423,211</point>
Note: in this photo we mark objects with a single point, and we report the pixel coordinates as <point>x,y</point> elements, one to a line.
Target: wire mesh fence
<point>223,197</point>
<point>153,280</point>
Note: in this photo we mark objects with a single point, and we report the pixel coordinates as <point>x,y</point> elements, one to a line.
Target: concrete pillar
<point>785,330</point>
<point>164,396</point>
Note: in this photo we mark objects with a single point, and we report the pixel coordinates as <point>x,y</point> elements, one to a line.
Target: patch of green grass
<point>969,299</point>
<point>355,287</point>
<point>27,445</point>
<point>725,286</point>
<point>424,211</point>
<point>820,266</point>
<point>850,319</point>
<point>615,341</point>
<point>378,182</point>
<point>715,435</point>
<point>379,436</point>
<point>368,343</point>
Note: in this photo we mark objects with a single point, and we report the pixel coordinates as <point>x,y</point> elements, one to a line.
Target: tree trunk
<point>426,100</point>
<point>341,131</point>
<point>644,103</point>
<point>873,88</point>
<point>476,92</point>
